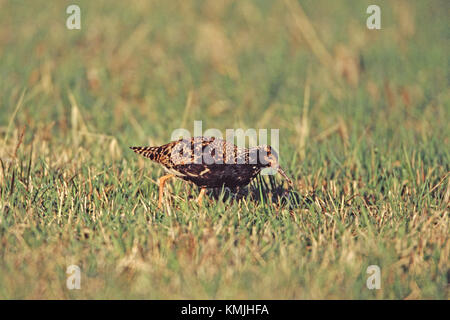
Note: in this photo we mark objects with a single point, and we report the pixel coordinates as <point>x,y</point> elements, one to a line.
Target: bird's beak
<point>280,171</point>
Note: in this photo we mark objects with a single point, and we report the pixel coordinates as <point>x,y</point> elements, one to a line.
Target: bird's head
<point>268,158</point>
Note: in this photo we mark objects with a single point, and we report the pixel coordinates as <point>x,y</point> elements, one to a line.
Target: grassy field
<point>363,118</point>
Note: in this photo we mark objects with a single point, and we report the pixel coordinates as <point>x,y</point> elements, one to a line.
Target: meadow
<point>363,118</point>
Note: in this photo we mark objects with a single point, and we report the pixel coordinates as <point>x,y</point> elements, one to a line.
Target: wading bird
<point>210,162</point>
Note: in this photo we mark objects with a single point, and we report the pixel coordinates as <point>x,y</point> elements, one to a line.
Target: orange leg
<point>200,196</point>
<point>162,182</point>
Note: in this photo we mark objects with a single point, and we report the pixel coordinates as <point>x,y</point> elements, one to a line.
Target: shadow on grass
<point>261,192</point>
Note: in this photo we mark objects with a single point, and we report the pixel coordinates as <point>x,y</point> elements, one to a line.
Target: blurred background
<point>143,68</point>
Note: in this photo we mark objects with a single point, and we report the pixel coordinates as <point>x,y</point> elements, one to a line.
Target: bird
<point>211,162</point>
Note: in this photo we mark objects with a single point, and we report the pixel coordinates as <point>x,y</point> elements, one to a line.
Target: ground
<point>363,132</point>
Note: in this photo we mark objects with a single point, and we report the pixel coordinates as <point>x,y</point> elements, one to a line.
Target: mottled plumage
<point>211,162</point>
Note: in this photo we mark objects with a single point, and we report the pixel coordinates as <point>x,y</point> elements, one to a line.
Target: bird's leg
<point>200,196</point>
<point>239,193</point>
<point>162,182</point>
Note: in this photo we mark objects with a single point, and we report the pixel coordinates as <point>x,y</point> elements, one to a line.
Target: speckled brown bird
<point>210,162</point>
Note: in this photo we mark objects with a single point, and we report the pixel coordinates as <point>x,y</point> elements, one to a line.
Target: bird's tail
<point>149,152</point>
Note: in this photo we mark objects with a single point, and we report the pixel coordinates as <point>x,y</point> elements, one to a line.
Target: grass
<point>363,118</point>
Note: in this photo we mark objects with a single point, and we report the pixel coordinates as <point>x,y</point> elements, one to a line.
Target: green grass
<point>363,133</point>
